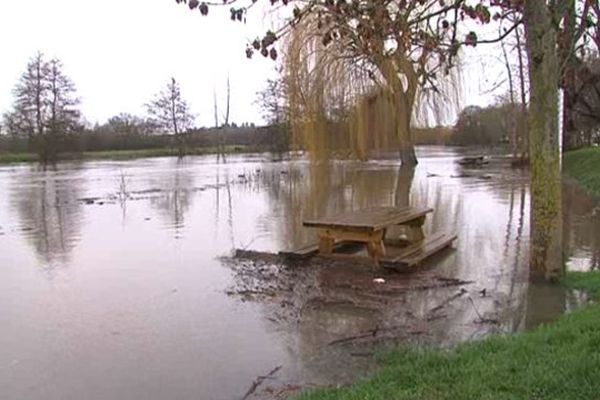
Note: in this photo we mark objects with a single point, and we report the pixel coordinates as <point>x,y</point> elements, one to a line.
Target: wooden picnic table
<point>369,226</point>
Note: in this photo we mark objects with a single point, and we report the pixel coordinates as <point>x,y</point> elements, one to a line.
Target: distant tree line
<point>494,125</point>
<point>45,119</point>
<point>486,126</point>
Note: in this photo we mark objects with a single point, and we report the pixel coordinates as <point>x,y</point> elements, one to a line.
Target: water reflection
<point>48,205</point>
<point>299,191</point>
<point>175,199</point>
<point>488,208</point>
<point>144,301</point>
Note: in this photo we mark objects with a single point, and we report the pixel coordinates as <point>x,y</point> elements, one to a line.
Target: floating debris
<point>475,161</point>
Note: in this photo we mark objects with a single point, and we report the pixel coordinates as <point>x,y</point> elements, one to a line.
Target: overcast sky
<point>120,52</point>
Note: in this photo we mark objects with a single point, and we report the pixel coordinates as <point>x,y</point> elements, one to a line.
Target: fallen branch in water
<point>352,338</point>
<point>446,302</point>
<point>482,320</point>
<point>432,318</point>
<point>367,334</point>
<point>258,381</point>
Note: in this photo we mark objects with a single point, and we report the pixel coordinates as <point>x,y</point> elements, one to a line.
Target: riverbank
<point>583,165</point>
<point>556,361</point>
<point>10,158</point>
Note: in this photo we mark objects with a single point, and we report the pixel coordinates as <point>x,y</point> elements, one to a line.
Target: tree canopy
<point>169,111</point>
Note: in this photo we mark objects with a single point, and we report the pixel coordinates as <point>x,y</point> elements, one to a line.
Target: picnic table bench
<point>369,226</point>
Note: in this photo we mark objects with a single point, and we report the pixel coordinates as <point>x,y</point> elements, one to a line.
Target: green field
<point>7,158</point>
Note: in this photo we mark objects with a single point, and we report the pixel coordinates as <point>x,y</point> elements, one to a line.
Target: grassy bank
<point>559,361</point>
<point>7,158</point>
<point>583,165</point>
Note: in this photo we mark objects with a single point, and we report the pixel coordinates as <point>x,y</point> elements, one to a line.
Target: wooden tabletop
<point>370,219</point>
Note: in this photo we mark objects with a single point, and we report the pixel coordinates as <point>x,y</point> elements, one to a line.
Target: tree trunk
<point>546,257</point>
<point>404,97</point>
<point>408,156</point>
<point>513,115</point>
<point>406,175</point>
<point>568,62</point>
<point>524,134</point>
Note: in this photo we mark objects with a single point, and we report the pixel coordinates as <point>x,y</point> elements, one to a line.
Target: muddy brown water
<point>113,283</point>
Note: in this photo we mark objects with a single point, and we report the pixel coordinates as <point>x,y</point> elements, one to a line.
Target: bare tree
<point>63,115</point>
<point>170,113</point>
<point>586,102</point>
<point>523,132</point>
<point>272,102</point>
<point>227,106</point>
<point>45,106</point>
<point>216,108</point>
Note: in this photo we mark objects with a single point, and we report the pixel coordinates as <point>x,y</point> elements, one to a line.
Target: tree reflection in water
<point>175,200</point>
<point>50,212</point>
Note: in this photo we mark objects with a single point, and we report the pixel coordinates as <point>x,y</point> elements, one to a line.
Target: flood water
<point>113,285</point>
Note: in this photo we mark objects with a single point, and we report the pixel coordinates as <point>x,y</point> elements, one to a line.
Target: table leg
<point>326,244</point>
<point>414,230</point>
<point>375,246</point>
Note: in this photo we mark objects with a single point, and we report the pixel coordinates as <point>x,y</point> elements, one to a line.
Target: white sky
<point>120,53</point>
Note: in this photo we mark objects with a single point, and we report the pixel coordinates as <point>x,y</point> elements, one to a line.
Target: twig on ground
<point>367,334</point>
<point>351,338</point>
<point>259,380</point>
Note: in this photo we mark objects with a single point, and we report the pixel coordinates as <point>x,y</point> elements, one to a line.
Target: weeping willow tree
<point>405,46</point>
<point>338,102</point>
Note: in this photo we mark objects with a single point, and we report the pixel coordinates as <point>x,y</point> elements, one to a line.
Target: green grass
<point>6,158</point>
<point>584,166</point>
<point>161,152</point>
<point>586,281</point>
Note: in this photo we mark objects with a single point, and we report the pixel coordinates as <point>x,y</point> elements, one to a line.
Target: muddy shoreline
<point>354,309</point>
